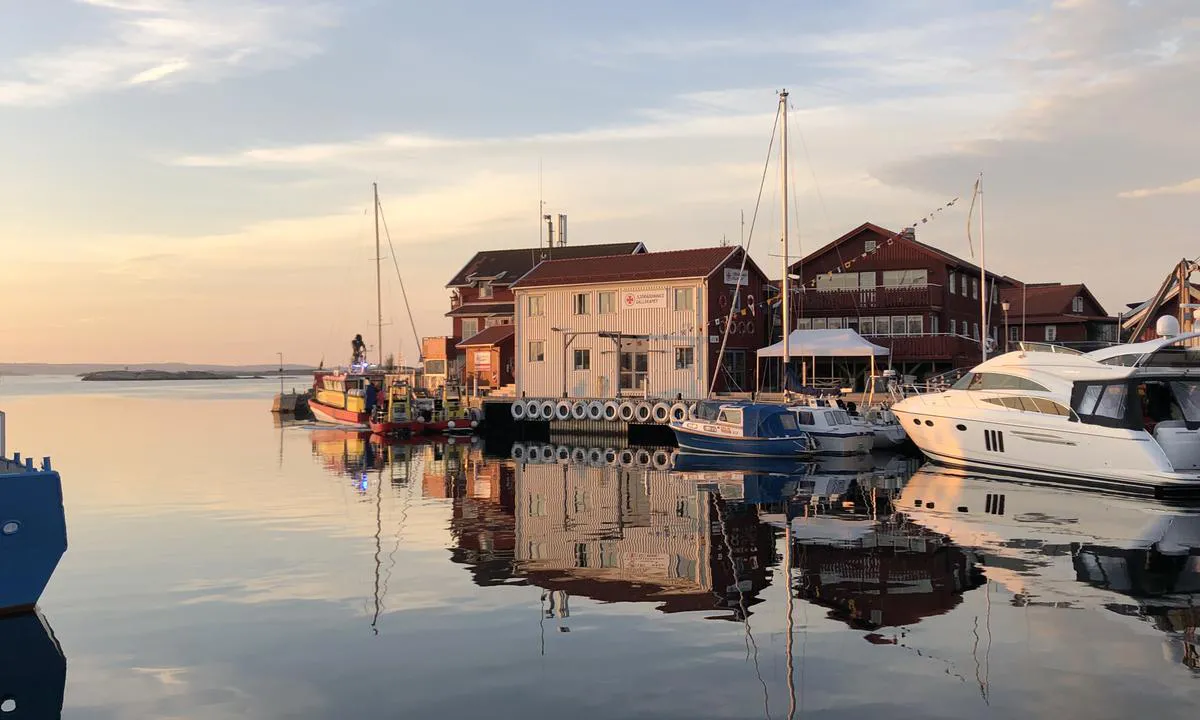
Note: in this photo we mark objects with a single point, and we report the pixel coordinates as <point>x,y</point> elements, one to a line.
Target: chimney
<point>909,233</point>
<point>562,229</point>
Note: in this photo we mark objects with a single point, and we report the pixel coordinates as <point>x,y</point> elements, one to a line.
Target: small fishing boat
<point>406,410</point>
<point>743,428</point>
<point>342,398</point>
<point>832,428</point>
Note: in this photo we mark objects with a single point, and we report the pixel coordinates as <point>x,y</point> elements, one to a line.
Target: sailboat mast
<point>378,277</point>
<point>785,284</point>
<point>983,296</point>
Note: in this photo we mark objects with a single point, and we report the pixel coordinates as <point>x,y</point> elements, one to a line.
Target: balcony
<point>956,349</point>
<point>919,297</point>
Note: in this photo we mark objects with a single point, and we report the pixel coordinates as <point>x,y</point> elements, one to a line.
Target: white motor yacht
<point>1124,419</point>
<point>832,428</point>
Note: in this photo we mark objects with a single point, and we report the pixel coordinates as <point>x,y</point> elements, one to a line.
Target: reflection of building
<point>895,574</point>
<point>482,521</point>
<point>635,535</point>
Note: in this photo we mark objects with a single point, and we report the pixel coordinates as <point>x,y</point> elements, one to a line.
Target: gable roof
<point>672,264</point>
<point>908,235</point>
<point>1034,299</point>
<point>1137,310</point>
<point>494,335</point>
<point>504,267</point>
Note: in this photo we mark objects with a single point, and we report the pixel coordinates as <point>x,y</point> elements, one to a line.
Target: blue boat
<point>743,428</point>
<point>33,528</point>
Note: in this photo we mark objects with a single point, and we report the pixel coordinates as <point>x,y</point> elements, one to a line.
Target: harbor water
<point>222,564</point>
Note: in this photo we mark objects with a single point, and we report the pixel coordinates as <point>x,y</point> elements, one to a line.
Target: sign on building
<point>483,359</point>
<point>643,299</point>
<point>731,277</point>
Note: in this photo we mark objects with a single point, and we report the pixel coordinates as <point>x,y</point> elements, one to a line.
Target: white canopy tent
<point>824,343</point>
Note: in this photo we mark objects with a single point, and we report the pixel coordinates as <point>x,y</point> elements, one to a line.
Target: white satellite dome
<point>1167,326</point>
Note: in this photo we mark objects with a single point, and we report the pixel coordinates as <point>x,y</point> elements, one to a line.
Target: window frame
<point>535,303</point>
<point>581,353</point>
<point>688,294</point>
<point>688,352</point>
<point>611,296</point>
<point>538,355</point>
<point>581,303</point>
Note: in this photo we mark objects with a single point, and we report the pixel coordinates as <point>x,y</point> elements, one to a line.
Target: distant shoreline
<point>167,375</point>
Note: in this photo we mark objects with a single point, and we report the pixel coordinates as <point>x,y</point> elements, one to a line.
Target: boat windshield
<point>1046,347</point>
<point>1180,354</point>
<point>776,424</point>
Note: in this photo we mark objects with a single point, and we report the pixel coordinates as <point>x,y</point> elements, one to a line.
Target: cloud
<point>156,41</point>
<point>1187,187</point>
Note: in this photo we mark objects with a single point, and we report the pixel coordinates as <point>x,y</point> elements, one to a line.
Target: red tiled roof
<point>482,308</point>
<point>494,335</point>
<point>1037,299</point>
<point>672,264</point>
<point>508,265</point>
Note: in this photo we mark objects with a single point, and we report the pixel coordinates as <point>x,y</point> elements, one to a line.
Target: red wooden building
<point>1057,313</point>
<point>921,302</point>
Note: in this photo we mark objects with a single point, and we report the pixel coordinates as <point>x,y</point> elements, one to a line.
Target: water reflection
<point>33,670</point>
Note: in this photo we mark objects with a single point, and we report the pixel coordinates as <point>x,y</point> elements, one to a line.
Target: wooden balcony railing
<point>942,347</point>
<point>877,298</point>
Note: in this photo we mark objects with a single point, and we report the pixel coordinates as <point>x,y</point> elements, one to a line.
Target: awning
<point>825,343</point>
<point>488,337</point>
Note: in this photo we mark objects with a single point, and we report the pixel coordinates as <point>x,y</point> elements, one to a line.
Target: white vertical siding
<point>667,327</point>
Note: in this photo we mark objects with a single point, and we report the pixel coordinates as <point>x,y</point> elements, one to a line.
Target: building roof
<point>672,264</point>
<point>1051,299</point>
<point>504,267</point>
<point>908,235</point>
<point>487,337</point>
<point>482,308</point>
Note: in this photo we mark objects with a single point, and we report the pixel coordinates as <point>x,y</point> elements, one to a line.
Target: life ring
<point>518,410</point>
<point>562,410</point>
<point>612,410</point>
<point>595,410</point>
<point>661,412</point>
<point>579,410</point>
<point>642,411</point>
<point>626,411</point>
<point>546,409</point>
<point>679,412</point>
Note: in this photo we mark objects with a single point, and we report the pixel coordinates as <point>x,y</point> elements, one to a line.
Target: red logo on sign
<point>629,299</point>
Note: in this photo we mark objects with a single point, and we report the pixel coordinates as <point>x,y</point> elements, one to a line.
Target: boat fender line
<point>533,410</point>
<point>612,411</point>
<point>562,410</point>
<point>643,458</point>
<point>661,460</point>
<point>518,410</point>
<point>679,412</point>
<point>595,410</point>
<point>610,456</point>
<point>547,409</point>
<point>626,411</point>
<point>625,459</point>
<point>579,410</point>
<point>693,411</point>
<point>546,454</point>
<point>595,457</point>
<point>642,411</point>
<point>518,452</point>
<point>562,453</point>
<point>661,412</point>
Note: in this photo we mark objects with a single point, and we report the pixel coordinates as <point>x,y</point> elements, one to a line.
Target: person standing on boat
<point>358,349</point>
<point>371,398</point>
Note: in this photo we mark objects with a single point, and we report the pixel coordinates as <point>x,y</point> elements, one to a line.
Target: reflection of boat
<point>33,528</point>
<point>743,428</point>
<point>33,670</point>
<point>1117,421</point>
<point>346,452</point>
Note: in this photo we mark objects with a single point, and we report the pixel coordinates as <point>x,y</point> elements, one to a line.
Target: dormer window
<point>1077,305</point>
<point>870,245</point>
<point>485,289</point>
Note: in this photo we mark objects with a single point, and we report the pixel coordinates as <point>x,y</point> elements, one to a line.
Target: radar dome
<point>1167,326</point>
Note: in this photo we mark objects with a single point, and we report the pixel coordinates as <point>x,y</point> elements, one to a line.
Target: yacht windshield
<point>1179,354</point>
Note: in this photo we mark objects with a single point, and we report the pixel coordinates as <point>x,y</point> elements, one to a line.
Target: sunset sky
<point>190,180</point>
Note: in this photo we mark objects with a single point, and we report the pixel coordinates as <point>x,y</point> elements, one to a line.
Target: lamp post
<point>1004,306</point>
<point>280,375</point>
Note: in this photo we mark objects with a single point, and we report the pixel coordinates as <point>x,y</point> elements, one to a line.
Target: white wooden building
<point>633,325</point>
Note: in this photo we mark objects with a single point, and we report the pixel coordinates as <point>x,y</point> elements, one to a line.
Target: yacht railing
<point>1026,346</point>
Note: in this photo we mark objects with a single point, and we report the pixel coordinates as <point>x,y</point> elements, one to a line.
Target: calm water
<point>223,567</point>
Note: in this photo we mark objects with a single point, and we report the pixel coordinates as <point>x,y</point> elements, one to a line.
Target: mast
<point>378,281</point>
<point>983,296</point>
<point>785,285</point>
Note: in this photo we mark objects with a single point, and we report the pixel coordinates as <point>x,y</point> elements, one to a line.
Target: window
<point>537,505</point>
<point>537,350</point>
<point>583,359</point>
<point>850,322</point>
<point>435,367</point>
<point>933,324</point>
<point>899,325</point>
<point>470,327</point>
<point>953,283</point>
<point>485,290</point>
<point>866,279</point>
<point>1051,333</point>
<point>837,281</point>
<point>996,381</point>
<point>866,326</point>
<point>583,501</point>
<point>805,417</point>
<point>1077,304</point>
<point>683,299</point>
<point>834,323</point>
<point>494,321</point>
<point>975,330</point>
<point>734,369</point>
<point>634,368</point>
<point>1031,404</point>
<point>905,278</point>
<point>606,302</point>
<point>820,324</point>
<point>1014,333</point>
<point>580,303</point>
<point>883,325</point>
<point>730,415</point>
<point>1112,402</point>
<point>804,324</point>
<point>536,305</point>
<point>953,326</point>
<point>870,245</point>
<point>914,325</point>
<point>975,288</point>
<point>685,358</point>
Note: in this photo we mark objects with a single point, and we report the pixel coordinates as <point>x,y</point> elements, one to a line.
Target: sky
<point>190,180</point>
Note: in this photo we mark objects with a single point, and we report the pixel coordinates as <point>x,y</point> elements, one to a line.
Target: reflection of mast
<point>787,564</point>
<point>718,503</point>
<point>378,547</point>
